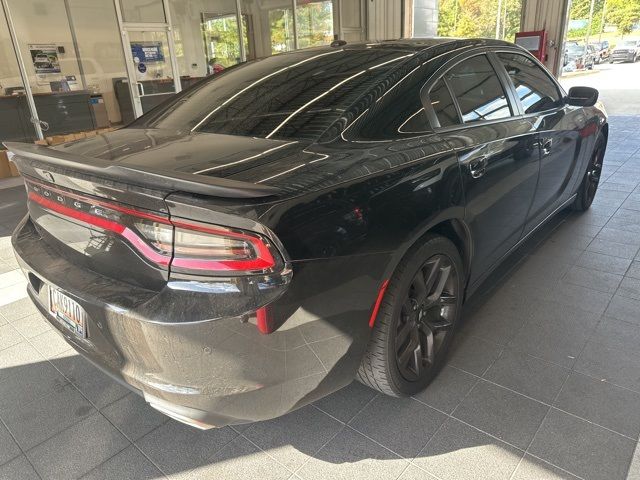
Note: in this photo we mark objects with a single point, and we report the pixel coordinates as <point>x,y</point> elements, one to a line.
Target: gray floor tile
<point>634,270</point>
<point>9,449</point>
<point>630,288</point>
<point>582,448</point>
<point>18,469</point>
<point>175,447</point>
<point>447,390</point>
<point>604,263</point>
<point>129,463</point>
<point>528,375</point>
<point>634,468</point>
<point>612,354</point>
<point>346,402</point>
<point>625,309</point>
<point>400,424</point>
<point>414,473</point>
<point>98,387</point>
<point>594,279</point>
<point>16,359</point>
<point>532,468</point>
<point>133,416</point>
<point>50,344</point>
<point>41,419</point>
<point>462,452</point>
<point>31,325</point>
<point>27,383</point>
<point>352,456</point>
<point>506,415</point>
<point>581,299</point>
<point>293,438</point>
<point>497,321</point>
<point>9,336</point>
<point>602,403</point>
<point>77,450</point>
<point>239,460</point>
<point>614,249</point>
<point>473,354</point>
<point>555,341</point>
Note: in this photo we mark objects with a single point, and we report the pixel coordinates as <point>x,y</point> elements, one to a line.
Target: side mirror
<point>582,96</point>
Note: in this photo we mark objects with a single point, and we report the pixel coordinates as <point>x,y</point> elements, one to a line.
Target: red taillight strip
<point>111,206</point>
<point>105,224</point>
<point>376,307</point>
<point>265,258</point>
<point>264,261</point>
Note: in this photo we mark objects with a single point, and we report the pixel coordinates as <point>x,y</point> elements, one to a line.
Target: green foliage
<point>624,14</point>
<point>477,18</point>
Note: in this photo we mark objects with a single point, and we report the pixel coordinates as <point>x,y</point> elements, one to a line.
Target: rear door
<point>497,151</point>
<point>542,104</point>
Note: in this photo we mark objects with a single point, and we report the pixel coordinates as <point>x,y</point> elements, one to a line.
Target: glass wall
<point>99,63</point>
<point>314,22</point>
<point>15,116</point>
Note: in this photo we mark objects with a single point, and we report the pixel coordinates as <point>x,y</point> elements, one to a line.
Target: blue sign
<point>147,52</point>
<point>142,68</point>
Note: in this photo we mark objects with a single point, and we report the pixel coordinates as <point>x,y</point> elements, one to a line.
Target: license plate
<point>68,312</point>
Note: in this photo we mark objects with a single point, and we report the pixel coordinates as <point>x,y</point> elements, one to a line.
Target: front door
<point>150,68</point>
<point>498,155</point>
<point>542,103</point>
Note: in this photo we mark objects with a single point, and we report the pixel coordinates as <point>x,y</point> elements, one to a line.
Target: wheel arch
<point>451,227</point>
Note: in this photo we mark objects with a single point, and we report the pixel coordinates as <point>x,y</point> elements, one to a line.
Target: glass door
<point>149,67</point>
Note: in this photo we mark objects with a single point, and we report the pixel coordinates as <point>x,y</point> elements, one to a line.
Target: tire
<point>383,366</point>
<point>589,185</point>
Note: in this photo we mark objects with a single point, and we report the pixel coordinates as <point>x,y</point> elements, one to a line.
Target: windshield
<point>629,43</point>
<point>296,95</point>
<point>575,49</point>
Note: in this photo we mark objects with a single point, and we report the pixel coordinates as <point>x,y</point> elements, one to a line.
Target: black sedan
<point>273,232</point>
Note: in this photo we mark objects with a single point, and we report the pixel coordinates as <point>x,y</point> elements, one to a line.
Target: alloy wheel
<point>594,173</point>
<point>426,318</point>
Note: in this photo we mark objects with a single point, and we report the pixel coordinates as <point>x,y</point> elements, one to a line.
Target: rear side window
<point>537,92</point>
<point>443,105</point>
<point>479,92</point>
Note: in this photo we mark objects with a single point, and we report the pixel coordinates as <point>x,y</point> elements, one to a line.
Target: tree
<point>477,18</point>
<point>624,14</point>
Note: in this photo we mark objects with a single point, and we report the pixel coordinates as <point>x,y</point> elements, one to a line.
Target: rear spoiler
<point>39,156</point>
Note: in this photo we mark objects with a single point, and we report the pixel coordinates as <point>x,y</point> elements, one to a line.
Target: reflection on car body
<point>287,225</point>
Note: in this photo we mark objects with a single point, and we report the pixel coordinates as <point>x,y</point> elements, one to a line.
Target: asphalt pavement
<point>618,83</point>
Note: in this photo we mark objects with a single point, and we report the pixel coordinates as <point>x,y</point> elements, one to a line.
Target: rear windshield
<point>296,95</point>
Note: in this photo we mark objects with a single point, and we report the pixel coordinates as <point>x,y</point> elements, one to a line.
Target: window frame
<point>517,110</point>
<point>559,90</point>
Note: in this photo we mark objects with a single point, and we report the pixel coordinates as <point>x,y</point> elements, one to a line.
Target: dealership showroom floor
<point>543,381</point>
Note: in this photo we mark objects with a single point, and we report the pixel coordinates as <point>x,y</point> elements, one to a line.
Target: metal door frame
<point>125,28</point>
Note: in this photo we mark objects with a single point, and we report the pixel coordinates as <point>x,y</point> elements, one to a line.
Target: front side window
<point>536,91</point>
<point>479,92</point>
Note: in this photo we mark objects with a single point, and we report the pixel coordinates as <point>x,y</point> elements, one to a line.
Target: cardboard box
<point>41,142</point>
<point>5,165</point>
<point>14,170</point>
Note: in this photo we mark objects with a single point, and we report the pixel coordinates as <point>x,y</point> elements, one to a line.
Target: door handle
<point>140,89</point>
<point>478,167</point>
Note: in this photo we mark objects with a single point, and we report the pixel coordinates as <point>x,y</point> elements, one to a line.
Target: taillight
<point>184,246</point>
<point>198,247</point>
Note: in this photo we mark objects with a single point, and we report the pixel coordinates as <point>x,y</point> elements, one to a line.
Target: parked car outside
<point>579,57</point>
<point>287,225</point>
<point>626,51</point>
<point>602,51</point>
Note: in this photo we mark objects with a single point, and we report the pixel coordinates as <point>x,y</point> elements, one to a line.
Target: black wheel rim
<point>594,172</point>
<point>426,318</point>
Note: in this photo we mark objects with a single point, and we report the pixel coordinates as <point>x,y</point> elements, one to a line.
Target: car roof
<point>409,45</point>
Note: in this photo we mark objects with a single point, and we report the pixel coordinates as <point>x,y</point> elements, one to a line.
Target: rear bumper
<point>218,371</point>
